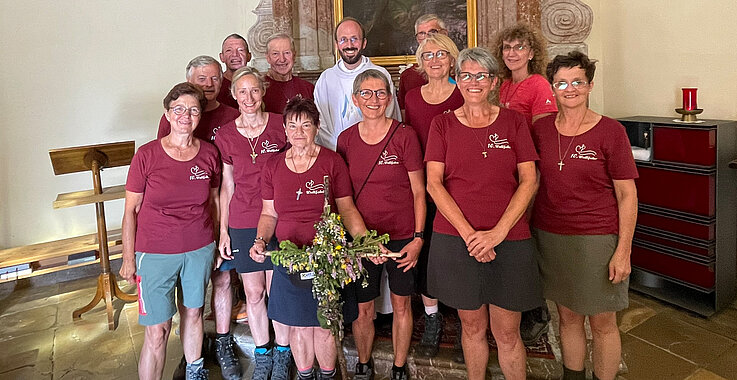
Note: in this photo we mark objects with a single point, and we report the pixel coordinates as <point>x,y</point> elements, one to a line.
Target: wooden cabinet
<point>685,245</point>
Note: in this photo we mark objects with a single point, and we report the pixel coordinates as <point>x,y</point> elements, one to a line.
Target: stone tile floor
<point>39,340</point>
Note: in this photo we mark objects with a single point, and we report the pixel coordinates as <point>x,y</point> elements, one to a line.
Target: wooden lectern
<point>94,158</point>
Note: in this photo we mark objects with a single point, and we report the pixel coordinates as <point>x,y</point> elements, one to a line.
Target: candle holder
<point>689,116</point>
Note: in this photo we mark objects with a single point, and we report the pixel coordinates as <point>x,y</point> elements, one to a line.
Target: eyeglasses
<point>423,35</point>
<point>428,55</point>
<point>479,77</point>
<point>180,110</point>
<point>367,94</point>
<point>343,40</point>
<point>562,85</point>
<point>517,48</point>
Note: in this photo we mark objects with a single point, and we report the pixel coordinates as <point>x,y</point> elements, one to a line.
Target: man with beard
<point>334,88</point>
<point>234,55</point>
<point>282,85</point>
<point>410,78</point>
<point>204,71</point>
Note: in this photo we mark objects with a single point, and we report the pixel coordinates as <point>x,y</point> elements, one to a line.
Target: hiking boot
<point>400,373</point>
<point>282,363</point>
<point>431,337</point>
<point>458,344</point>
<point>364,371</point>
<point>534,324</point>
<point>230,367</point>
<point>196,372</point>
<point>264,363</point>
<point>180,373</point>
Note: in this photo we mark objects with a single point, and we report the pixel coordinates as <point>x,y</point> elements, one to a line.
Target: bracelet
<point>261,238</point>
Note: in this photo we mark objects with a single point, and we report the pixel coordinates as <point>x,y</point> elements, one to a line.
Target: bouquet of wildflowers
<point>335,262</point>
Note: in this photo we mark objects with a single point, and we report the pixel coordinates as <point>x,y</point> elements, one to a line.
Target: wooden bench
<point>34,253</point>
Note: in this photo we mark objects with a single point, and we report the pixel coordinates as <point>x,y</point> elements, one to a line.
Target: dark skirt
<point>241,241</point>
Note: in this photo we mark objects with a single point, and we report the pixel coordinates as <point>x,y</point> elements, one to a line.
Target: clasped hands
<point>480,244</point>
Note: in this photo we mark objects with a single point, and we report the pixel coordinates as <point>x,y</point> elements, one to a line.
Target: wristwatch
<point>420,235</point>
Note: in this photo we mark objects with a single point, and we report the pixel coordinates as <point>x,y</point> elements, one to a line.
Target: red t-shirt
<point>409,79</point>
<point>277,93</point>
<point>580,199</point>
<point>419,113</point>
<point>209,124</point>
<point>225,96</point>
<point>235,150</point>
<point>530,97</point>
<point>481,187</point>
<point>175,213</point>
<point>297,217</point>
<point>386,202</point>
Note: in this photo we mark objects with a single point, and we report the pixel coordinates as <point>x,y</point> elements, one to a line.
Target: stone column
<point>260,32</point>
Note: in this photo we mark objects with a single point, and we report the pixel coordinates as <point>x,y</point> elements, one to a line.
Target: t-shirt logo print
<point>313,188</point>
<point>584,154</point>
<point>388,159</point>
<point>198,173</point>
<point>497,143</point>
<point>268,147</point>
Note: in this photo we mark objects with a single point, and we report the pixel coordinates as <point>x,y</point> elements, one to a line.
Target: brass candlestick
<point>689,116</point>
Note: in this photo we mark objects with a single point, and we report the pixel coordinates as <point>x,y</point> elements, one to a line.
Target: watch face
<point>420,235</point>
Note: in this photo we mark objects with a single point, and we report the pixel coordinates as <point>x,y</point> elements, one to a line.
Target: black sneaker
<point>458,344</point>
<point>282,363</point>
<point>400,373</point>
<point>534,324</point>
<point>431,337</point>
<point>364,371</point>
<point>230,367</point>
<point>196,372</point>
<point>264,364</point>
<point>180,373</point>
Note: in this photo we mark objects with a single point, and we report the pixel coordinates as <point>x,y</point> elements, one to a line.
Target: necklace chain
<point>253,146</point>
<point>561,157</point>
<point>296,171</point>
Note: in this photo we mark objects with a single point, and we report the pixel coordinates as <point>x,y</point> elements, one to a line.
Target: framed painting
<point>390,25</point>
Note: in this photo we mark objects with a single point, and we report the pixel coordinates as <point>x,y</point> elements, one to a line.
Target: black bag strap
<point>401,124</point>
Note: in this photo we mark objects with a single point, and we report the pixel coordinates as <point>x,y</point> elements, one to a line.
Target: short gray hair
<point>279,36</point>
<point>427,18</point>
<point>200,61</point>
<point>368,74</point>
<point>479,55</point>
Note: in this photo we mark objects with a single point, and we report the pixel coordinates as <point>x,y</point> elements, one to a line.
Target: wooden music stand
<point>94,158</point>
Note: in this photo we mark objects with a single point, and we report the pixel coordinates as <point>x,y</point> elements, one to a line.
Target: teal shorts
<point>158,275</point>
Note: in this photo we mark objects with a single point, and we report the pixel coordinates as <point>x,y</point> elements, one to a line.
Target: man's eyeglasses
<point>479,77</point>
<point>428,55</point>
<point>180,110</point>
<point>344,40</point>
<point>367,94</point>
<point>423,35</point>
<point>562,85</point>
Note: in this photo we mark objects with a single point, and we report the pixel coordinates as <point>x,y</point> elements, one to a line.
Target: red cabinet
<point>685,245</point>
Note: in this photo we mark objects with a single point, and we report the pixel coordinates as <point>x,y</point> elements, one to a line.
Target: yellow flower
<point>343,266</point>
<point>338,247</point>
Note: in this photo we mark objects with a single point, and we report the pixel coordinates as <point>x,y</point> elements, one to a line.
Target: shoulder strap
<point>401,124</point>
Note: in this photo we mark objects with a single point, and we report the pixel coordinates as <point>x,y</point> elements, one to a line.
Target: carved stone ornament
<point>260,32</point>
<point>566,21</point>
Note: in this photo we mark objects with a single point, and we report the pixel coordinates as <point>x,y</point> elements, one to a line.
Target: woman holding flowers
<point>293,194</point>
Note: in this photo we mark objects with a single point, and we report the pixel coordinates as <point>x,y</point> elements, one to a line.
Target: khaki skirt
<point>575,272</point>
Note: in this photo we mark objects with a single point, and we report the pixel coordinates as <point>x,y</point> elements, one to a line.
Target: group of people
<point>498,186</point>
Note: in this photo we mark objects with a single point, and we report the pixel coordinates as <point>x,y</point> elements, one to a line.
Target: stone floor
<point>39,340</point>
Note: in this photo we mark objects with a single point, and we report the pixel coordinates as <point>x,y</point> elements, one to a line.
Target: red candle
<point>689,99</point>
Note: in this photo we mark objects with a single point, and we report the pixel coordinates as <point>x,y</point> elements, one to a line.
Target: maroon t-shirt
<point>419,113</point>
<point>298,198</point>
<point>209,124</point>
<point>482,187</point>
<point>175,213</point>
<point>386,201</point>
<point>530,97</point>
<point>225,96</point>
<point>277,93</point>
<point>409,79</point>
<point>235,150</point>
<point>580,199</point>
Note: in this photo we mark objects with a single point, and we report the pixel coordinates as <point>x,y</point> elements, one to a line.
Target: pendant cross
<point>253,157</point>
<point>299,193</point>
<point>560,165</point>
<point>484,153</point>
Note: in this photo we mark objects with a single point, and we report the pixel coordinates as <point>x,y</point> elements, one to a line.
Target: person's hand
<point>619,266</point>
<point>257,251</point>
<point>481,244</point>
<point>224,246</point>
<point>411,253</point>
<point>378,260</point>
<point>128,270</point>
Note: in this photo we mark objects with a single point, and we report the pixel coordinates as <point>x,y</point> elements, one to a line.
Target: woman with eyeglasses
<point>385,164</point>
<point>481,174</point>
<point>524,89</point>
<point>436,57</point>
<point>584,217</point>
<point>169,219</point>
